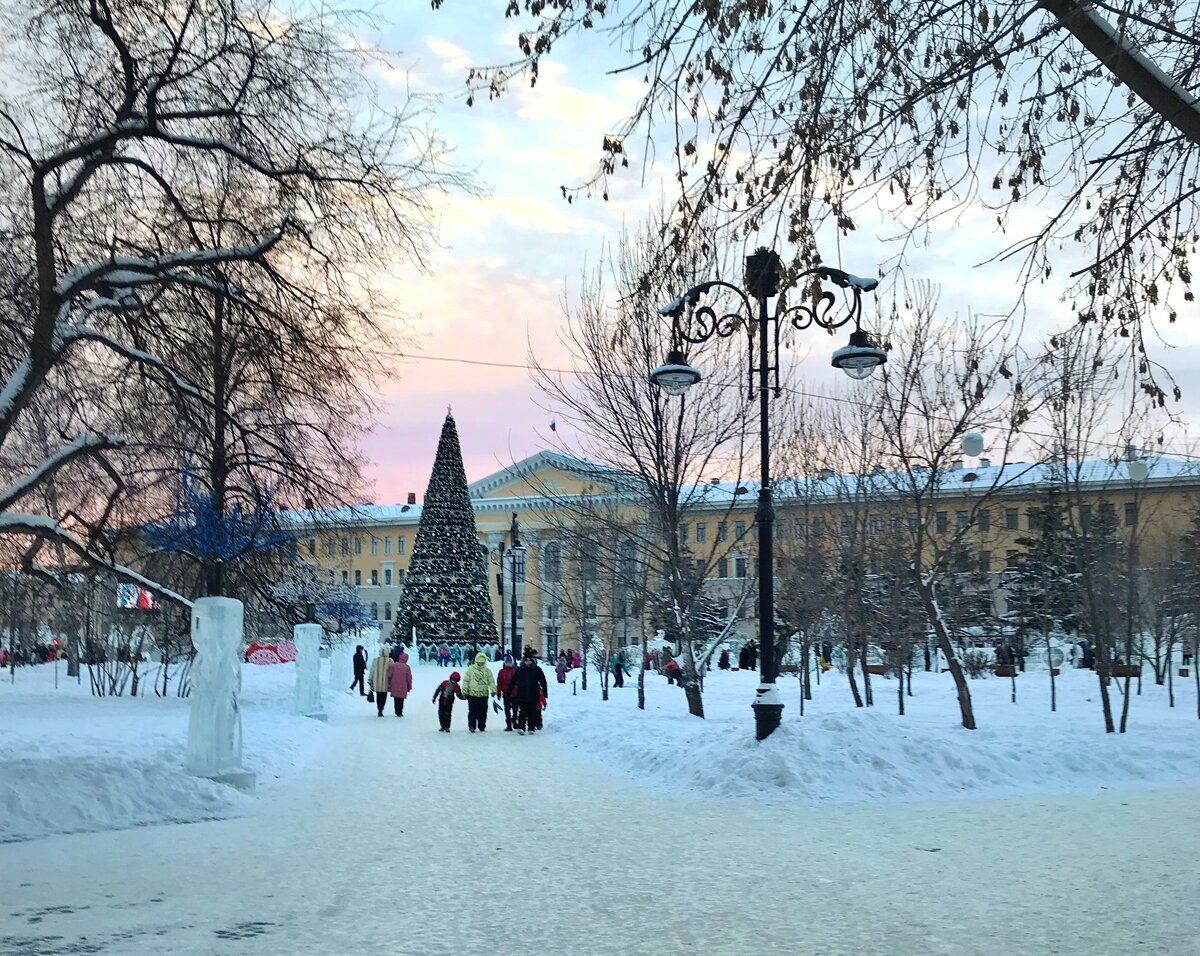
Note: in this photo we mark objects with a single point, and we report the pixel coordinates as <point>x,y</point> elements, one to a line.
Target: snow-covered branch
<point>76,448</point>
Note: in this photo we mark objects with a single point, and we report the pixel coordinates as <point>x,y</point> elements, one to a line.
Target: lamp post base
<point>768,711</point>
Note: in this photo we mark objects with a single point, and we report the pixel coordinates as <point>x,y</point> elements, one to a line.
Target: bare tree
<point>802,118</point>
<point>126,124</point>
<point>659,451</point>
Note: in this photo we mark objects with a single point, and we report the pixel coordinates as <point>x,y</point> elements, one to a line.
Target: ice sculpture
<point>308,670</point>
<point>214,744</point>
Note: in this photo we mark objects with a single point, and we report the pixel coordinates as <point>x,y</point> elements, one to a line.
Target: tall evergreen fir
<point>446,590</point>
<point>1043,588</point>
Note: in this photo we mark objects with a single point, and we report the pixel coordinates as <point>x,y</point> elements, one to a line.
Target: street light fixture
<point>858,359</point>
<point>515,550</point>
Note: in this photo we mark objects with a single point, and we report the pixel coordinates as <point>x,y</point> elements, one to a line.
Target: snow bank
<point>70,762</point>
<point>837,753</point>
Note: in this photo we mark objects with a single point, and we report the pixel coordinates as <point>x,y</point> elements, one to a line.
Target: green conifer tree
<point>446,590</point>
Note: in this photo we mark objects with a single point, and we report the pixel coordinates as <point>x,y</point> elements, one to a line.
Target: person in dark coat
<point>444,696</point>
<point>723,660</point>
<point>530,690</point>
<point>360,670</point>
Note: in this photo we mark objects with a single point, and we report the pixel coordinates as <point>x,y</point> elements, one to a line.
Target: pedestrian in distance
<point>381,672</point>
<point>455,655</point>
<point>444,656</point>
<point>360,670</point>
<point>618,670</point>
<point>506,687</point>
<point>400,683</point>
<point>562,668</point>
<point>444,696</point>
<point>531,693</point>
<point>479,683</point>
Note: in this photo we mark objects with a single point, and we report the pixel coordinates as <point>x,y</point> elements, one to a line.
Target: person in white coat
<point>381,673</point>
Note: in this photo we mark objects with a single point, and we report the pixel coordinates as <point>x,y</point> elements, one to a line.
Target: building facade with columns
<point>987,511</point>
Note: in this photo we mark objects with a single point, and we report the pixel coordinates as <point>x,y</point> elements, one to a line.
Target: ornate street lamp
<point>858,359</point>
<point>516,550</point>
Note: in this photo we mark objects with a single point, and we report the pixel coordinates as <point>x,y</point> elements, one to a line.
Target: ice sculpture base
<point>244,780</point>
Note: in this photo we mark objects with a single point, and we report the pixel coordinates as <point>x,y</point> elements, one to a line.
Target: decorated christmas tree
<point>446,591</point>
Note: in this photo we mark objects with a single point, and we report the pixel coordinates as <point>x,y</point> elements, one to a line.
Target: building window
<point>518,563</point>
<point>781,530</point>
<point>374,577</point>
<point>985,561</point>
<point>873,562</point>
<point>520,612</point>
<point>876,524</point>
<point>1131,510</point>
<point>701,532</point>
<point>330,548</point>
<point>387,577</point>
<point>846,527</point>
<point>387,611</point>
<point>984,518</point>
<point>894,524</point>
<point>798,528</point>
<point>358,579</point>
<point>961,520</point>
<point>1011,517</point>
<point>400,577</point>
<point>345,577</point>
<point>739,567</point>
<point>683,533</point>
<point>550,642</point>
<point>1012,558</point>
<point>374,545</point>
<point>722,531</point>
<point>387,545</point>
<point>1033,520</point>
<point>552,563</point>
<point>374,611</point>
<point>1085,516</point>
<point>943,522</point>
<point>739,530</point>
<point>914,521</point>
<point>312,547</point>
<point>1108,514</point>
<point>723,568</point>
<point>400,545</point>
<point>358,545</point>
<point>345,546</point>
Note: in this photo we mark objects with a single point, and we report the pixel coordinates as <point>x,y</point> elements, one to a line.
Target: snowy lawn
<point>839,753</point>
<point>71,762</point>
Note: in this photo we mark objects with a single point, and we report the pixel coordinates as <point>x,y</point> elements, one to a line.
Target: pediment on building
<point>549,473</point>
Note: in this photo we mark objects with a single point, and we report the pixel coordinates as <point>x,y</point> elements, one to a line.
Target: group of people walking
<point>522,689</point>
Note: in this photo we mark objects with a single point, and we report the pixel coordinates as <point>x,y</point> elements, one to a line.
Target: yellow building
<point>983,510</point>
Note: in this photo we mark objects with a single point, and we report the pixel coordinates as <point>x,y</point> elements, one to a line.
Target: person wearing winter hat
<point>400,682</point>
<point>381,672</point>
<point>444,695</point>
<point>530,681</point>
<point>506,688</point>
<point>478,684</point>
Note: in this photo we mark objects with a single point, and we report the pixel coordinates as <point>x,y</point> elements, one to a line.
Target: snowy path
<point>401,840</point>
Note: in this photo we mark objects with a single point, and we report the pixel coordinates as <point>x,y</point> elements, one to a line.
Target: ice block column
<point>214,744</point>
<point>308,670</point>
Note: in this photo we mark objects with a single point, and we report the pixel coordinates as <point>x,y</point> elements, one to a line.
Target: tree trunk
<point>642,672</point>
<point>934,613</point>
<point>862,659</point>
<point>1053,686</point>
<point>1102,669</point>
<point>900,691</point>
<point>850,665</point>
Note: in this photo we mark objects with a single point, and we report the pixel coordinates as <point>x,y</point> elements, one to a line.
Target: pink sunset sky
<point>494,290</point>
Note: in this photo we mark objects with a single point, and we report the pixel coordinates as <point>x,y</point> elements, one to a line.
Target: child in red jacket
<point>444,695</point>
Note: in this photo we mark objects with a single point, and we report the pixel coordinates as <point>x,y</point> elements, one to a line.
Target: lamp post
<point>858,359</point>
<point>515,550</point>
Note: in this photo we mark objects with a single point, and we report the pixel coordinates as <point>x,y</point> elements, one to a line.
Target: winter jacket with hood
<point>530,683</point>
<point>400,681</point>
<point>479,681</point>
<point>447,690</point>
<point>506,685</point>
<point>381,669</point>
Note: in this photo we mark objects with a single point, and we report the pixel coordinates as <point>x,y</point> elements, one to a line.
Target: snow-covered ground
<point>72,762</point>
<point>379,836</point>
<point>837,752</point>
